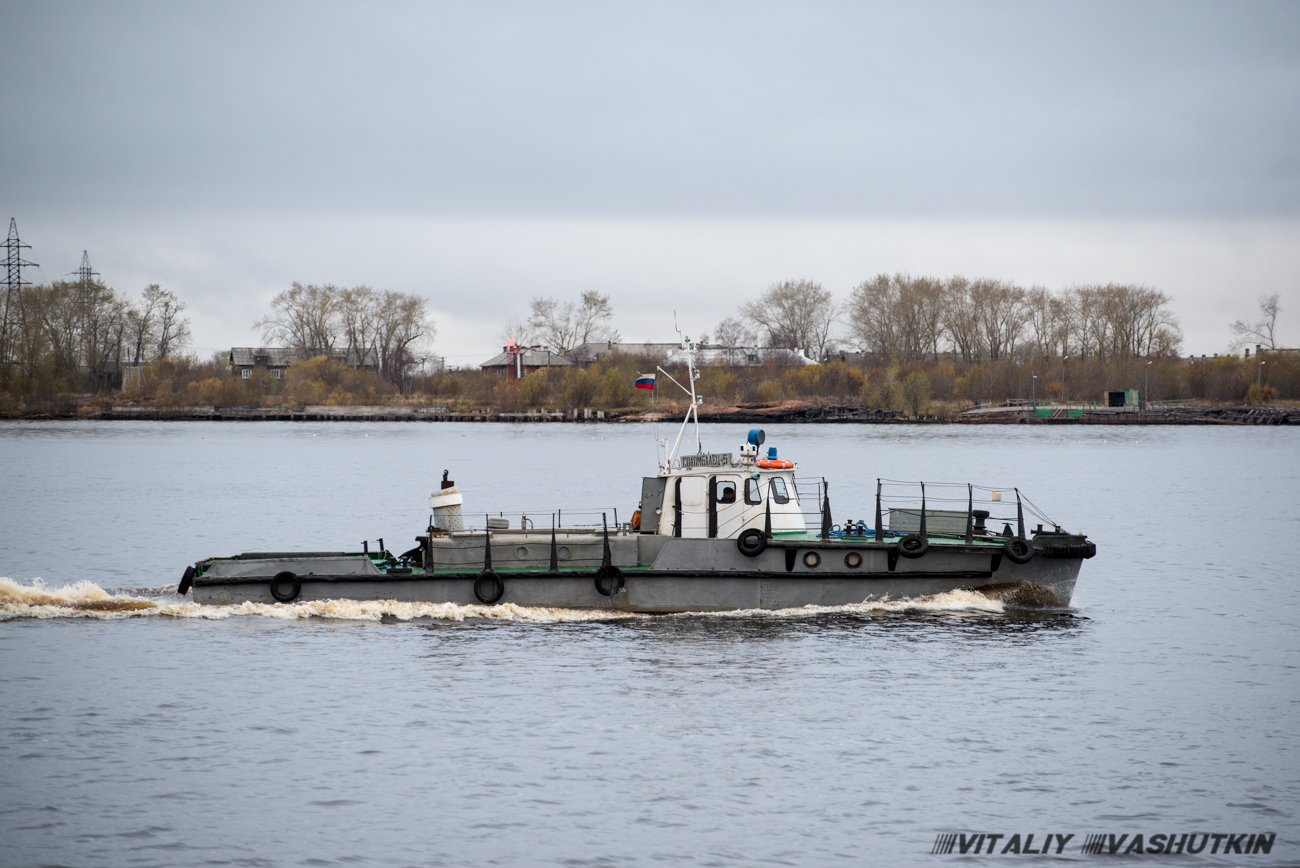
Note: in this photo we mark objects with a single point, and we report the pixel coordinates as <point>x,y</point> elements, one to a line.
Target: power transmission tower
<point>14,282</point>
<point>85,276</point>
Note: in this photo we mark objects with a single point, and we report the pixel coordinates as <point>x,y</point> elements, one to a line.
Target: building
<point>516,362</point>
<point>860,359</point>
<point>742,357</point>
<point>585,354</point>
<point>672,354</point>
<point>244,360</point>
<point>1121,398</point>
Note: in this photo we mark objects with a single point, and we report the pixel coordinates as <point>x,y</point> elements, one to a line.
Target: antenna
<point>14,263</point>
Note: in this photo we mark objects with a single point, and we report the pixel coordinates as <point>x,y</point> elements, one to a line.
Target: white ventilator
<point>446,504</point>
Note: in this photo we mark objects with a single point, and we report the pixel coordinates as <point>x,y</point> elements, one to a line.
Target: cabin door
<point>694,506</point>
<point>728,506</point>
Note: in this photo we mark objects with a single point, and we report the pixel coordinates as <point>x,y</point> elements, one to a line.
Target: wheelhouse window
<point>725,492</point>
<point>780,493</point>
<point>753,491</point>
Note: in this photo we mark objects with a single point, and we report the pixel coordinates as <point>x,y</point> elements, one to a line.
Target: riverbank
<point>749,414</point>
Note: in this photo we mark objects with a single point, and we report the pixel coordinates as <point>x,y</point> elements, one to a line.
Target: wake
<point>87,600</point>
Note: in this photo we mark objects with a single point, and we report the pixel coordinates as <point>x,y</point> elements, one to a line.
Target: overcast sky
<point>675,156</point>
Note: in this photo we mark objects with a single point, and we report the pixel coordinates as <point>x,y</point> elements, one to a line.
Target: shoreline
<point>788,412</point>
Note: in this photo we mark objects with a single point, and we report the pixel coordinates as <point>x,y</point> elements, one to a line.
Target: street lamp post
<point>1259,373</point>
<point>1033,389</point>
<point>1065,394</point>
<point>1146,387</point>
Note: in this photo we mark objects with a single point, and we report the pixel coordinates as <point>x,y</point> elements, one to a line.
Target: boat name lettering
<point>708,459</point>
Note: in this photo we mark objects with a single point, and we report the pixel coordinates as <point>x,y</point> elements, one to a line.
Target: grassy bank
<point>939,389</point>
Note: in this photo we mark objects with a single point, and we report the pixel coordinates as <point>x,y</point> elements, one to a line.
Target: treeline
<point>916,318</point>
<point>909,319</point>
<point>921,345</point>
<point>76,336</point>
<point>84,337</point>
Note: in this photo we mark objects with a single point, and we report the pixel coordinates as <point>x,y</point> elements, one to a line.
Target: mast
<point>692,412</point>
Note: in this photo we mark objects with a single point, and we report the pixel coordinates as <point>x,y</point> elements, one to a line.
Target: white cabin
<point>719,495</point>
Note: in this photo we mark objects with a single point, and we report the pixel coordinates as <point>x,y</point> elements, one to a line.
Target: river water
<point>139,729</point>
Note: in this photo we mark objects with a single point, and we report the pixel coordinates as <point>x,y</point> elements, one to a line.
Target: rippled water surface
<point>139,729</point>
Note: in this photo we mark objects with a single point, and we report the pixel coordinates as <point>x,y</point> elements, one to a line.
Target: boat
<point>712,532</point>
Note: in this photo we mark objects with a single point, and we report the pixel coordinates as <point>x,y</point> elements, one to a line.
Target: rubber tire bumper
<point>187,582</point>
<point>1018,550</point>
<point>751,542</point>
<point>913,546</point>
<point>489,588</point>
<point>286,587</point>
<point>609,581</point>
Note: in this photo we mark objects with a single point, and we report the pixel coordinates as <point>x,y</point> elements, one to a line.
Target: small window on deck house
<point>725,492</point>
<point>753,491</point>
<point>779,492</point>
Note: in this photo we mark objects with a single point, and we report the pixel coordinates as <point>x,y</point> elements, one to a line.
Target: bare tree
<point>517,330</point>
<point>900,316</point>
<point>1049,322</point>
<point>922,308</point>
<point>796,314</point>
<point>1263,333</point>
<point>156,326</point>
<point>1155,330</point>
<point>565,325</point>
<point>733,337</point>
<point>142,324</point>
<point>732,333</point>
<point>83,328</point>
<point>402,324</point>
<point>1119,321</point>
<point>303,317</point>
<point>173,326</point>
<point>873,315</point>
<point>594,318</point>
<point>1000,312</point>
<point>358,312</point>
<point>551,322</point>
<point>961,319</point>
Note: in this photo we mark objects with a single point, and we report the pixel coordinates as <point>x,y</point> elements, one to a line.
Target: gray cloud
<point>847,110</point>
<point>679,156</point>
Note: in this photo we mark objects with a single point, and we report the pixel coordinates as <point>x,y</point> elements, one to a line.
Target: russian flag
<point>645,382</point>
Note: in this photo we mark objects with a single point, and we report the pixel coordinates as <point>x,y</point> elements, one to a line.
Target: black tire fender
<point>489,588</point>
<point>609,580</point>
<point>286,586</point>
<point>1018,550</point>
<point>187,582</point>
<point>913,546</point>
<point>751,542</point>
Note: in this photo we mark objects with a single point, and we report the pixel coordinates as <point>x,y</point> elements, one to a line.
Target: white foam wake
<point>88,600</point>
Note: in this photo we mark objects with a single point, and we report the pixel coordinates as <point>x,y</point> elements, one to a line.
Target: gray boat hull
<point>685,575</point>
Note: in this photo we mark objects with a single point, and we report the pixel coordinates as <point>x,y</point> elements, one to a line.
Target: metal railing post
<point>880,533</point>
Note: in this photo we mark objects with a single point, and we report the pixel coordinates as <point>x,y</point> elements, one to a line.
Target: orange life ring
<point>775,464</point>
